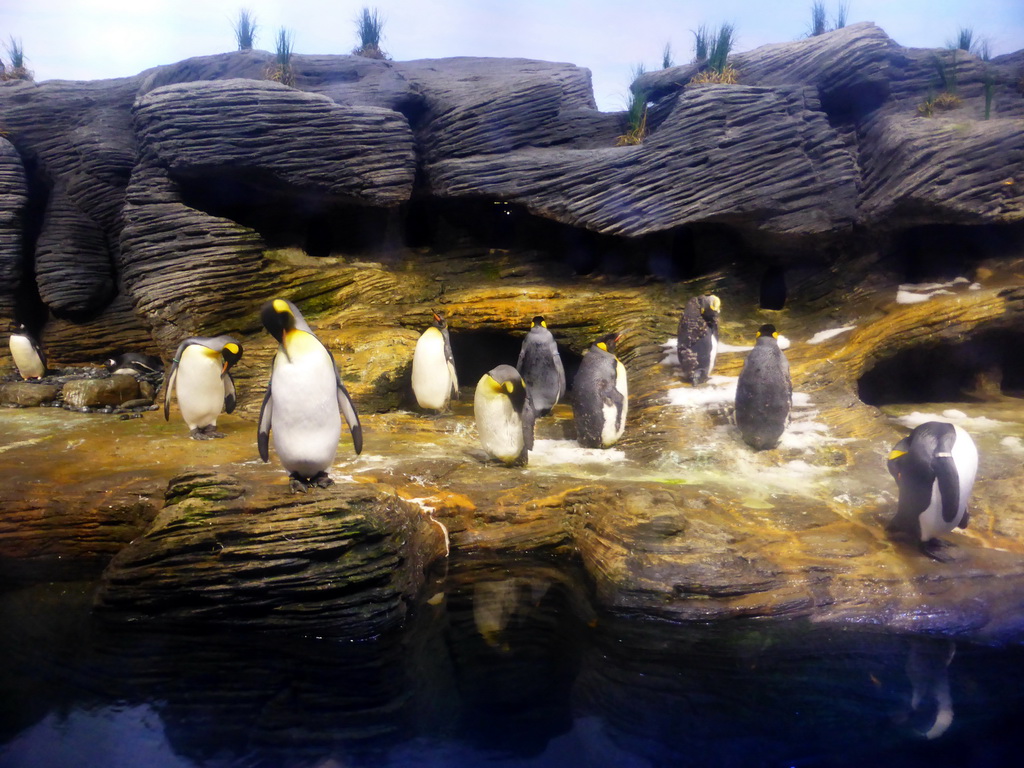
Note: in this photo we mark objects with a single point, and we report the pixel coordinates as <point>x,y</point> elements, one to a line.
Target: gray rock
<point>91,393</point>
<point>28,394</point>
<point>13,197</point>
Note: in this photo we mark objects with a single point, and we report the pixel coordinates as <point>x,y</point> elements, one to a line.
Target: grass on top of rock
<point>370,28</point>
<point>943,102</point>
<point>281,70</point>
<point>819,17</point>
<point>636,113</point>
<point>17,70</point>
<point>245,29</point>
<point>712,50</point>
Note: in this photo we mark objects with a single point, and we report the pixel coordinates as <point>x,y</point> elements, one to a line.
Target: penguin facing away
<point>600,395</point>
<point>200,378</point>
<point>504,415</point>
<point>134,363</point>
<point>764,392</point>
<point>434,382</point>
<point>541,367</point>
<point>934,468</point>
<point>304,402</point>
<point>697,338</point>
<point>27,353</point>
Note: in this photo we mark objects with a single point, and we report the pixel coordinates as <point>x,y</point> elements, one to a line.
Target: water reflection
<point>503,664</point>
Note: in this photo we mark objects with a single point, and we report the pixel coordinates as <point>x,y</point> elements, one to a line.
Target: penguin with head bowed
<point>600,395</point>
<point>934,468</point>
<point>697,338</point>
<point>134,363</point>
<point>27,353</point>
<point>201,378</point>
<point>305,400</point>
<point>764,392</point>
<point>541,367</point>
<point>434,382</point>
<point>504,415</point>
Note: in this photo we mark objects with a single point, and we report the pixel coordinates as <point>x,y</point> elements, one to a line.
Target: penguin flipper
<point>263,433</point>
<point>351,417</point>
<point>560,374</point>
<point>229,393</point>
<point>39,351</point>
<point>454,379</point>
<point>169,387</point>
<point>949,486</point>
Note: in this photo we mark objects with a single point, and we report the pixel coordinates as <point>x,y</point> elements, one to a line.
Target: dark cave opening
<point>773,288</point>
<point>984,366</point>
<point>477,352</point>
<point>946,251</point>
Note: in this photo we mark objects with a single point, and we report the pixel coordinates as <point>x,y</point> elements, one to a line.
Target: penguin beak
<point>893,455</point>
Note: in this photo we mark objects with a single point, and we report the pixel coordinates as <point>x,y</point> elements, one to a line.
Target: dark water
<point>506,666</point>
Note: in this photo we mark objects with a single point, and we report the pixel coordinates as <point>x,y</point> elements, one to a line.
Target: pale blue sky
<point>92,39</point>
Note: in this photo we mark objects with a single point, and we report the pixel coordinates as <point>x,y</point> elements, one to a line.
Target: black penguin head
<point>278,316</point>
<point>767,331</point>
<point>538,322</point>
<point>506,381</point>
<point>607,342</point>
<point>710,305</point>
<point>439,320</point>
<point>232,353</point>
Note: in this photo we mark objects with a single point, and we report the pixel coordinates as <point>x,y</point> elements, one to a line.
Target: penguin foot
<point>298,484</point>
<point>200,433</point>
<point>322,480</point>
<point>303,484</point>
<point>942,551</point>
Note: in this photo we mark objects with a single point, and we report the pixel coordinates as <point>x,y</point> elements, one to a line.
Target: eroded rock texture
<point>13,197</point>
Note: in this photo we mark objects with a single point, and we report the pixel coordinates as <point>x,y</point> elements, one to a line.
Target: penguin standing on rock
<point>27,353</point>
<point>541,367</point>
<point>305,401</point>
<point>764,392</point>
<point>504,415</point>
<point>600,395</point>
<point>434,382</point>
<point>934,468</point>
<point>697,338</point>
<point>200,377</point>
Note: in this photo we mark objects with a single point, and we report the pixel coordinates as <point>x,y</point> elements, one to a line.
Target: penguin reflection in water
<point>434,382</point>
<point>304,402</point>
<point>541,367</point>
<point>27,353</point>
<point>600,395</point>
<point>504,415</point>
<point>934,468</point>
<point>697,338</point>
<point>764,392</point>
<point>200,377</point>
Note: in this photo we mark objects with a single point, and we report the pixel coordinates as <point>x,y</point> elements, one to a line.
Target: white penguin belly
<point>499,427</point>
<point>431,379</point>
<point>306,423</point>
<point>614,423</point>
<point>26,358</point>
<point>965,458</point>
<point>714,354</point>
<point>199,387</point>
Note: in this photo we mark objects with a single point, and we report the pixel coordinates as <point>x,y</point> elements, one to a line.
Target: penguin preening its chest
<point>934,468</point>
<point>434,382</point>
<point>305,400</point>
<point>134,363</point>
<point>600,395</point>
<point>27,353</point>
<point>200,378</point>
<point>764,392</point>
<point>504,415</point>
<point>697,338</point>
<point>541,367</point>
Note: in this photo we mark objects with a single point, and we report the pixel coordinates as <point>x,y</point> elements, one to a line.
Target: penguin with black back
<point>541,367</point>
<point>697,338</point>
<point>934,468</point>
<point>134,364</point>
<point>434,382</point>
<point>200,377</point>
<point>504,415</point>
<point>304,402</point>
<point>600,395</point>
<point>27,352</point>
<point>764,392</point>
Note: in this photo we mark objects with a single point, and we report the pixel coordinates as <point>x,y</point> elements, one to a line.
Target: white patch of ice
<point>724,348</point>
<point>952,416</point>
<point>821,336</point>
<point>914,293</point>
<point>717,389</point>
<point>1014,444</point>
<point>801,400</point>
<point>549,453</point>
<point>906,297</point>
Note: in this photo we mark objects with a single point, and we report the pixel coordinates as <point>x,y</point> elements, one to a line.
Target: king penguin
<point>434,382</point>
<point>27,353</point>
<point>541,367</point>
<point>200,377</point>
<point>764,392</point>
<point>934,468</point>
<point>600,395</point>
<point>504,415</point>
<point>697,338</point>
<point>304,402</point>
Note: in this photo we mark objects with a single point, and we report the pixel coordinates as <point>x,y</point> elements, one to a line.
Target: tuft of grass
<point>281,71</point>
<point>17,70</point>
<point>964,40</point>
<point>819,18</point>
<point>245,29</point>
<point>701,44</point>
<point>728,76</point>
<point>636,113</point>
<point>842,12</point>
<point>718,56</point>
<point>941,103</point>
<point>370,29</point>
<point>946,71</point>
<point>666,56</point>
<point>718,46</point>
<point>989,92</point>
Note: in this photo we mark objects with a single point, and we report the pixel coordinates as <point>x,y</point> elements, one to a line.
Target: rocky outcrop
<point>342,562</point>
<point>13,197</point>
